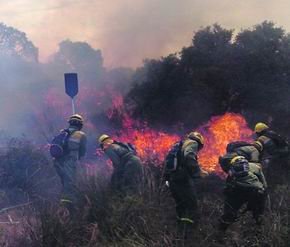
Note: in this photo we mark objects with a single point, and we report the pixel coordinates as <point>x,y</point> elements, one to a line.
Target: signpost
<point>71,87</point>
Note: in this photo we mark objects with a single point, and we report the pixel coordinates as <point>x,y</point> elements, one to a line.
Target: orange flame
<point>218,132</point>
<point>152,145</point>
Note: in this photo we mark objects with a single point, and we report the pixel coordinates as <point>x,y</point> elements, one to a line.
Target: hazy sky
<point>127,31</point>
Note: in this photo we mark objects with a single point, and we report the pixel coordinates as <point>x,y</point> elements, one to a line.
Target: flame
<point>218,132</point>
<point>152,145</point>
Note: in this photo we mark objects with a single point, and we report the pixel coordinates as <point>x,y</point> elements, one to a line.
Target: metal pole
<point>73,106</point>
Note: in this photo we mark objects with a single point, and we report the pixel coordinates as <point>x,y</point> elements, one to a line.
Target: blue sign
<point>71,84</point>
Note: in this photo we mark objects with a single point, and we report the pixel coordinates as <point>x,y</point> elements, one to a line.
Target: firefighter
<point>275,155</point>
<point>251,151</point>
<point>66,165</point>
<point>274,146</point>
<point>181,169</point>
<point>245,184</point>
<point>127,173</point>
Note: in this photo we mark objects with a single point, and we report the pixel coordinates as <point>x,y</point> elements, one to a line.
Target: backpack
<point>130,147</point>
<point>225,161</point>
<point>58,146</point>
<point>173,157</point>
<point>234,145</point>
<point>240,168</point>
<point>277,139</point>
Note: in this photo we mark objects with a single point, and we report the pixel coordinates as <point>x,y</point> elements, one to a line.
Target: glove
<point>203,173</point>
<point>167,184</point>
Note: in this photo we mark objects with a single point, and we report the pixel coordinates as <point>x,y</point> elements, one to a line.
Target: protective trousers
<point>66,169</point>
<point>235,199</point>
<point>185,197</point>
<point>126,179</point>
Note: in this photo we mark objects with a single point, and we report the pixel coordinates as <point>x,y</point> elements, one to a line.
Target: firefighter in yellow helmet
<point>181,169</point>
<point>127,173</point>
<point>245,185</point>
<point>74,148</point>
<point>275,153</point>
<point>274,145</point>
<point>251,151</point>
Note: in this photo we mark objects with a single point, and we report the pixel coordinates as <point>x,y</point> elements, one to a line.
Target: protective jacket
<point>250,152</point>
<point>127,171</point>
<point>76,145</point>
<point>255,179</point>
<point>248,188</point>
<point>273,144</point>
<point>181,182</point>
<point>188,166</point>
<point>66,166</point>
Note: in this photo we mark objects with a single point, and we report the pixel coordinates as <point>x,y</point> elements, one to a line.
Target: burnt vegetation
<point>247,73</point>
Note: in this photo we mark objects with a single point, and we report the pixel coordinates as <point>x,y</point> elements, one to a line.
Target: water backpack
<point>58,145</point>
<point>172,158</point>
<point>239,168</point>
<point>234,145</point>
<point>278,140</point>
<point>225,161</point>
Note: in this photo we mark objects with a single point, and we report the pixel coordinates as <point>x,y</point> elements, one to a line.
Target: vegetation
<point>147,219</point>
<point>247,73</point>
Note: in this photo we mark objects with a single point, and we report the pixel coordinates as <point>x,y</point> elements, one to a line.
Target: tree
<point>79,57</point>
<point>15,43</point>
<point>217,73</point>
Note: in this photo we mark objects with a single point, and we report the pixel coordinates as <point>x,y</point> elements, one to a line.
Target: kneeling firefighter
<point>181,168</point>
<point>245,184</point>
<point>127,173</point>
<point>68,148</point>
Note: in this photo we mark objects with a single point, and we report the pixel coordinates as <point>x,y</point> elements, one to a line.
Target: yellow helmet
<point>258,145</point>
<point>76,118</point>
<point>261,127</point>
<point>196,136</point>
<point>237,158</point>
<point>102,138</point>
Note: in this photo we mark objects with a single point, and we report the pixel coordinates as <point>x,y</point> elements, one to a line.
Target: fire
<point>218,132</point>
<point>152,145</point>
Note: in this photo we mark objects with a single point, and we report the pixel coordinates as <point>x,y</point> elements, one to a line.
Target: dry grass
<point>146,220</point>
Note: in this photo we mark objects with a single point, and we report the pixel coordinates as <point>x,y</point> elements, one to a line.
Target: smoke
<point>127,31</point>
<point>32,97</point>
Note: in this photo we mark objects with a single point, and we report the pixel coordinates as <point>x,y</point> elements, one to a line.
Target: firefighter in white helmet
<point>74,148</point>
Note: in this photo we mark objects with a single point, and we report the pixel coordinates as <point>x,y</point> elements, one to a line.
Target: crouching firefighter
<point>181,168</point>
<point>127,174</point>
<point>251,151</point>
<point>275,147</point>
<point>275,155</point>
<point>67,148</point>
<point>245,185</point>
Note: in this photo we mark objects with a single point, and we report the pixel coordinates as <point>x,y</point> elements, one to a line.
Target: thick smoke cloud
<point>127,31</point>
